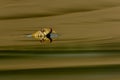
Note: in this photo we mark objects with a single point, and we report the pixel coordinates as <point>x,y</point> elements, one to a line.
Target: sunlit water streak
<point>61,53</point>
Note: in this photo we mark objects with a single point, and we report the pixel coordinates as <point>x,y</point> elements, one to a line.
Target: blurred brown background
<point>81,24</point>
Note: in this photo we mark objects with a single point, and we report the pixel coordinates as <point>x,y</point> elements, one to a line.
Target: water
<point>69,65</point>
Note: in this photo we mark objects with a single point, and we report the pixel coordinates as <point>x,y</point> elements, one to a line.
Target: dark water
<point>52,65</point>
<point>77,73</point>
